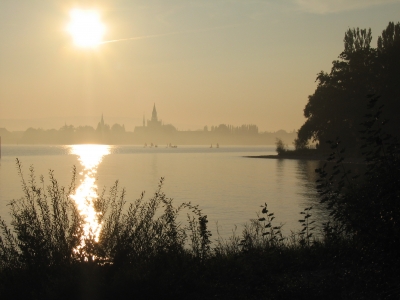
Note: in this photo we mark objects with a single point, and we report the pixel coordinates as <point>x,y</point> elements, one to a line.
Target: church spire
<point>154,114</point>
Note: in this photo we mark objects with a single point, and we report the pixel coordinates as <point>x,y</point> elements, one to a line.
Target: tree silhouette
<point>339,103</point>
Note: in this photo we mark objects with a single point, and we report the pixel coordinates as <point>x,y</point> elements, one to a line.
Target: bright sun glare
<point>90,156</point>
<point>86,28</point>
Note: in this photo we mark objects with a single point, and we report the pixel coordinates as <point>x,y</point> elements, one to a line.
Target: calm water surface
<point>228,187</point>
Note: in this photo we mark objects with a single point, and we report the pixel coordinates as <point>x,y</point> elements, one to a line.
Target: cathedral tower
<point>154,123</point>
<point>154,114</point>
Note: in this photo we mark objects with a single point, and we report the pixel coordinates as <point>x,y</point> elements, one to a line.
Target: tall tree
<point>339,104</point>
<point>388,61</point>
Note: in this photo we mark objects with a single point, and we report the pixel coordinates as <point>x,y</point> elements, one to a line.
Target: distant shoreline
<point>286,157</point>
<point>350,160</point>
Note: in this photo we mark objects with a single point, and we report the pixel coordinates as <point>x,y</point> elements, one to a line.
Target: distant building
<point>154,125</point>
<point>102,127</point>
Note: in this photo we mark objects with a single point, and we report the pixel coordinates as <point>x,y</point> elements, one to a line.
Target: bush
<point>281,148</point>
<point>46,223</point>
<point>366,208</point>
<point>48,229</point>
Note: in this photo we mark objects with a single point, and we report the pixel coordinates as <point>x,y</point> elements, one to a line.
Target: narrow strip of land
<point>350,160</point>
<point>288,157</point>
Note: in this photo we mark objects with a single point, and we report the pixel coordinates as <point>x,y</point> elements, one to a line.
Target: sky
<point>201,62</point>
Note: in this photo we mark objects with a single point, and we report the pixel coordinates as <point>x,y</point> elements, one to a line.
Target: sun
<point>86,28</point>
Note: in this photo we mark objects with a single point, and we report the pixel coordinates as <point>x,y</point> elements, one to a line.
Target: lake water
<point>228,187</point>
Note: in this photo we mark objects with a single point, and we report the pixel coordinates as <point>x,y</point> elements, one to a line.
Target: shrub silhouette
<point>47,228</point>
<point>367,207</point>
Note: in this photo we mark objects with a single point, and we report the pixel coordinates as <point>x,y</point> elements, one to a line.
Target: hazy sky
<point>202,62</point>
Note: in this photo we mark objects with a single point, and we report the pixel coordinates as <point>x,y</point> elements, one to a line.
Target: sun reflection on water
<point>90,156</point>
